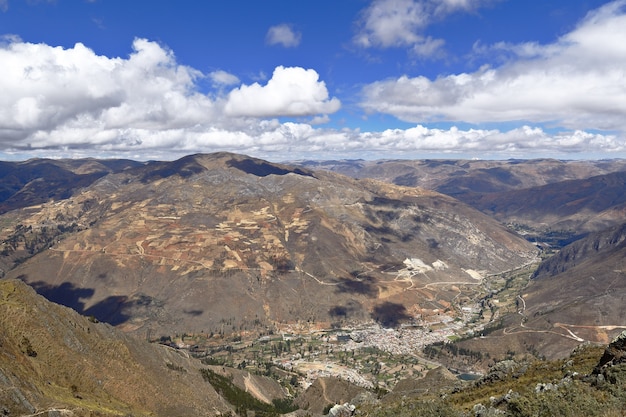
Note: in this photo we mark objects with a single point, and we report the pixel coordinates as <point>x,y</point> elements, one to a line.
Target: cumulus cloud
<point>71,99</point>
<point>291,91</point>
<point>401,23</point>
<point>72,102</point>
<point>284,35</point>
<point>46,89</point>
<point>577,83</point>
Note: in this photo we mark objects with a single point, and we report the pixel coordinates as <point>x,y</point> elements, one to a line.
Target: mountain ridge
<point>213,228</point>
<point>548,199</point>
<point>230,250</point>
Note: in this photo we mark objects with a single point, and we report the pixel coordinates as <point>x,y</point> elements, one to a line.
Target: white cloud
<point>402,23</point>
<point>388,23</point>
<point>320,120</point>
<point>48,88</point>
<point>4,5</point>
<point>72,100</point>
<point>221,77</point>
<point>281,141</point>
<point>291,91</point>
<point>442,7</point>
<point>578,82</point>
<point>284,35</point>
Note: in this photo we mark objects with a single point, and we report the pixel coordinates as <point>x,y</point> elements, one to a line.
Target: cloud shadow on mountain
<point>364,286</point>
<point>110,310</point>
<point>389,314</point>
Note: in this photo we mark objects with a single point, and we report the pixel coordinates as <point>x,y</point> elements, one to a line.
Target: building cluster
<point>402,341</point>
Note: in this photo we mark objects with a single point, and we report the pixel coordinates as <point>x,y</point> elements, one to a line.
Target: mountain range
<point>545,199</point>
<point>524,257</point>
<point>185,246</point>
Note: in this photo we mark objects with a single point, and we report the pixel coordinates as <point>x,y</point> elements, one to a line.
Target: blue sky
<point>321,79</point>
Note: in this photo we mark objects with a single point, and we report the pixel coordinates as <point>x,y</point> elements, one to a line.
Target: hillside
<point>580,206</point>
<point>547,199</point>
<point>36,181</point>
<point>574,297</point>
<point>52,358</point>
<point>460,178</point>
<point>342,289</point>
<point>55,362</point>
<point>224,243</point>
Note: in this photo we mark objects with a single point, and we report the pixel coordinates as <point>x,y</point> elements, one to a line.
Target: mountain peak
<point>262,168</point>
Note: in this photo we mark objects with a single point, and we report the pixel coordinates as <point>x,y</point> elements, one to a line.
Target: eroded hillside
<point>214,239</point>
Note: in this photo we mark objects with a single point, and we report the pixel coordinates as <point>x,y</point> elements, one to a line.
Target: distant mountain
<point>227,243</point>
<point>457,177</point>
<point>36,181</point>
<point>545,198</point>
<point>581,205</point>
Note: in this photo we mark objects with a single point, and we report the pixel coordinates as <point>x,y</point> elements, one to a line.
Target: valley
<point>153,253</point>
<point>368,355</point>
<point>307,277</point>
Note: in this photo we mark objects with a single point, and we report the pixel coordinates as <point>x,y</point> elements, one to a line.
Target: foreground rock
<point>611,368</point>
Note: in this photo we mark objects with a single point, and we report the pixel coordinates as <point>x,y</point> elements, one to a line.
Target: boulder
<point>342,410</point>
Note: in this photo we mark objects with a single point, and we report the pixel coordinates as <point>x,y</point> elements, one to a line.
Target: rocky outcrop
<point>503,370</point>
<point>342,410</point>
<point>614,354</point>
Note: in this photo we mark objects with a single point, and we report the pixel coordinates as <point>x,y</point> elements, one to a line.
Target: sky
<point>289,80</point>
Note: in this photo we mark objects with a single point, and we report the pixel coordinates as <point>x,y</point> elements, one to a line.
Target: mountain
<point>458,178</point>
<point>575,295</point>
<point>224,243</point>
<point>580,205</point>
<point>36,181</point>
<point>227,248</point>
<point>547,199</point>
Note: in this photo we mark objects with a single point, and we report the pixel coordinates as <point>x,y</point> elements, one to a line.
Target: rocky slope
<point>226,243</point>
